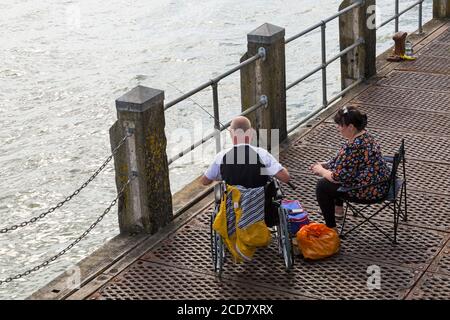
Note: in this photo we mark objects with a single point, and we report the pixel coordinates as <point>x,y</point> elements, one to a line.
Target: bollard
<point>146,205</point>
<point>441,9</point>
<point>266,77</point>
<point>357,24</point>
<point>399,40</point>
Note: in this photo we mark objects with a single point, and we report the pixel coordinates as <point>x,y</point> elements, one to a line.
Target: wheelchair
<point>281,229</point>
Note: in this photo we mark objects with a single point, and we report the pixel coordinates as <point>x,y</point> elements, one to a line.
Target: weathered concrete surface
<point>441,9</point>
<point>358,63</point>
<point>146,204</point>
<point>175,263</point>
<point>266,77</point>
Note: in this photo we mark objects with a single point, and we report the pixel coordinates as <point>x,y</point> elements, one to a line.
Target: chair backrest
<point>399,157</point>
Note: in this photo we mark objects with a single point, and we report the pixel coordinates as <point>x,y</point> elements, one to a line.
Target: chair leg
<point>341,234</point>
<point>405,218</point>
<point>355,213</point>
<point>395,222</point>
<point>402,210</point>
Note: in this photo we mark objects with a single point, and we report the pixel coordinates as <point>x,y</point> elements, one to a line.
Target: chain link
<point>70,246</point>
<point>67,199</point>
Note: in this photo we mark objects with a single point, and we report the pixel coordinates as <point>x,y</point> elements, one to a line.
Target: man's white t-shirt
<point>272,166</point>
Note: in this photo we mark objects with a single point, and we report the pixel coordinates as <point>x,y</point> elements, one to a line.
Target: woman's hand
<point>324,165</point>
<point>317,169</point>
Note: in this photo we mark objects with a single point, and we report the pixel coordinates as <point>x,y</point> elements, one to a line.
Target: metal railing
<point>323,67</point>
<point>262,102</point>
<point>213,83</point>
<point>398,13</point>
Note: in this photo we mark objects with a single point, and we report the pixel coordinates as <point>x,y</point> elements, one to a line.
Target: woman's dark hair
<point>351,115</point>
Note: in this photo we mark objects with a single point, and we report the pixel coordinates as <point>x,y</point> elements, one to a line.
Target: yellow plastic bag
<point>317,241</point>
<point>243,243</point>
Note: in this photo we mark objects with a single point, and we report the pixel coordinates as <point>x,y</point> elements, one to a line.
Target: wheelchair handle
<point>290,184</point>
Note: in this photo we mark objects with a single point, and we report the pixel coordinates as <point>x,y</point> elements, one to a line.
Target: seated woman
<point>359,162</point>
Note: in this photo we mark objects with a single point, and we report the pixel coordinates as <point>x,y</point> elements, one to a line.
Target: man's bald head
<point>241,123</point>
<point>241,130</point>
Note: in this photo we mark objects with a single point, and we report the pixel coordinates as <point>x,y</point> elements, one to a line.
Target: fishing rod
<point>195,102</point>
<point>201,107</point>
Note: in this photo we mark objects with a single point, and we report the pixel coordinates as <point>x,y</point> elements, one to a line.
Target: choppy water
<point>63,63</point>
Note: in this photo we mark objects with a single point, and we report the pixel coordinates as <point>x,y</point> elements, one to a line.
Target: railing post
<point>441,9</point>
<point>397,18</point>
<point>360,23</point>
<point>266,77</point>
<point>146,205</point>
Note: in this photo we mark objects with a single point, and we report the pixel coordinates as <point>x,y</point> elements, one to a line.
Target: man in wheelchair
<point>247,173</point>
<point>247,166</point>
<point>244,164</point>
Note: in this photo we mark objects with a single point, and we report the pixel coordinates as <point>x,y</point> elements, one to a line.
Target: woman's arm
<point>319,170</point>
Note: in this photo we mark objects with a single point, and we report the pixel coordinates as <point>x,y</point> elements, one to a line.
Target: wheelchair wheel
<point>284,240</point>
<point>217,249</point>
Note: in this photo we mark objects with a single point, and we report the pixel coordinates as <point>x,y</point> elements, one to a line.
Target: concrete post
<point>266,77</point>
<point>146,205</point>
<point>441,9</point>
<point>358,24</point>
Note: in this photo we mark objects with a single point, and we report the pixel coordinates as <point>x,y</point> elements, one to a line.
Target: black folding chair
<point>392,200</point>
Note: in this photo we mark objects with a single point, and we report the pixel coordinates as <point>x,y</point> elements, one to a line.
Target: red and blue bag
<point>297,216</point>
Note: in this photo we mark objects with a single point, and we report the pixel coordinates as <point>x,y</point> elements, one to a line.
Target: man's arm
<point>213,172</point>
<point>283,175</point>
<point>273,167</point>
<point>205,181</point>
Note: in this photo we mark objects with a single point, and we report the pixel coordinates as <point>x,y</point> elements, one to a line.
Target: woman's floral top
<point>360,163</point>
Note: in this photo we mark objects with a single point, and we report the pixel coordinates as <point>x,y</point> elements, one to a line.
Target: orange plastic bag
<point>317,241</point>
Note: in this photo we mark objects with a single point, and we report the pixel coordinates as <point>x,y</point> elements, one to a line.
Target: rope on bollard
<point>70,246</point>
<point>67,199</point>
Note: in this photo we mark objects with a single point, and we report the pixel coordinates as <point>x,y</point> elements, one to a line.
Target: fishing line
<point>195,102</point>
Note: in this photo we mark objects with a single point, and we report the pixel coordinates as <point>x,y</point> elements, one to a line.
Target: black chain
<point>70,246</point>
<point>60,204</point>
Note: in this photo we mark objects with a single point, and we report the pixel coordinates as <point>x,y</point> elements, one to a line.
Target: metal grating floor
<point>420,146</point>
<point>424,63</point>
<point>411,102</point>
<point>433,286</point>
<point>445,37</point>
<point>189,250</point>
<point>438,49</point>
<point>406,98</point>
<point>417,81</point>
<point>430,123</point>
<point>175,283</point>
<point>442,262</point>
